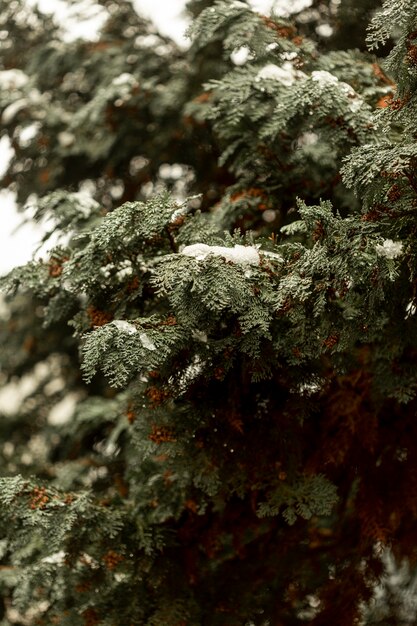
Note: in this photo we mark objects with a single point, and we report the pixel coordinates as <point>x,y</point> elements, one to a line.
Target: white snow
<point>356,104</point>
<point>240,55</point>
<point>307,139</point>
<point>124,84</point>
<point>147,342</point>
<point>126,327</point>
<point>65,139</point>
<point>57,558</point>
<point>324,30</point>
<point>12,79</point>
<point>324,78</point>
<point>124,79</point>
<point>147,41</point>
<point>6,153</point>
<point>286,74</point>
<point>286,56</point>
<point>241,255</point>
<point>347,89</point>
<point>28,133</point>
<point>389,249</point>
<point>125,270</point>
<point>355,100</point>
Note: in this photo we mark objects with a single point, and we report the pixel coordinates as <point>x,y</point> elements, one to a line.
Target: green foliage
<point>124,353</point>
<point>390,16</point>
<point>215,363</point>
<point>307,497</point>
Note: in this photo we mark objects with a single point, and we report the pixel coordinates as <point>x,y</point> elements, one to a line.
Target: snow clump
<point>13,79</point>
<point>324,78</point>
<point>286,74</point>
<point>242,255</point>
<point>126,327</point>
<point>130,329</point>
<point>147,342</point>
<point>390,249</point>
<point>57,558</point>
<point>125,79</point>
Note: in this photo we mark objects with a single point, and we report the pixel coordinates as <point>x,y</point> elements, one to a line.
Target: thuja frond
<point>308,496</point>
<point>391,17</point>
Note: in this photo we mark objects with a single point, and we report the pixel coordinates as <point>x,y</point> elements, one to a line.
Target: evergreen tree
<point>216,360</point>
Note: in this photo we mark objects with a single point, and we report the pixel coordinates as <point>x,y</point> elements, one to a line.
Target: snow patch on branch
<point>241,255</point>
<point>130,329</point>
<point>126,327</point>
<point>286,74</point>
<point>57,558</point>
<point>147,342</point>
<point>389,249</point>
<point>355,100</point>
<point>324,78</point>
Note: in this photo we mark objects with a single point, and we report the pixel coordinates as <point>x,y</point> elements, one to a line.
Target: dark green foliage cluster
<point>215,363</point>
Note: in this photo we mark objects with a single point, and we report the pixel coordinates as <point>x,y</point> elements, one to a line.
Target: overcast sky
<point>17,248</point>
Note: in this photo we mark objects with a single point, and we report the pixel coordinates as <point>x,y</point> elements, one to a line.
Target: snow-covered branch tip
<point>241,255</point>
